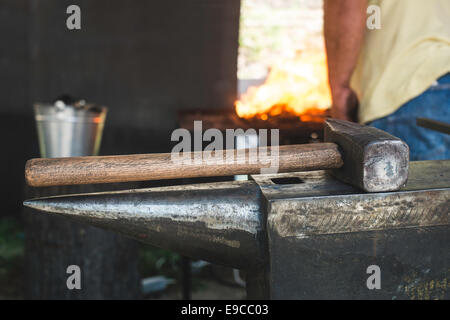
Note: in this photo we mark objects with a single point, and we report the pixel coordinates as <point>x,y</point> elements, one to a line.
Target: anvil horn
<point>218,222</point>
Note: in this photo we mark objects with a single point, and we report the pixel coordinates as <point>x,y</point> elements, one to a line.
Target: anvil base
<point>298,235</point>
<point>324,238</point>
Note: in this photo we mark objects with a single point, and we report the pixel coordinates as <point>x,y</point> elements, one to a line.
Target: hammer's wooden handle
<point>125,168</point>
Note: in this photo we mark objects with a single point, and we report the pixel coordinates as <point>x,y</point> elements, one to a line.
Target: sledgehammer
<point>363,156</point>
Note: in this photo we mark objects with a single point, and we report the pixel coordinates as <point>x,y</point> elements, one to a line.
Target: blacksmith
<point>390,75</point>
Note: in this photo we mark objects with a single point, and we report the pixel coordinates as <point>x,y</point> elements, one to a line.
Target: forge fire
<point>296,86</point>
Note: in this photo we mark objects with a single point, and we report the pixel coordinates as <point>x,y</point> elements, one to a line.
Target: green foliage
<point>11,258</point>
<point>155,261</point>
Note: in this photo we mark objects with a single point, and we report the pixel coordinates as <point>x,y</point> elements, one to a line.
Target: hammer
<point>365,157</point>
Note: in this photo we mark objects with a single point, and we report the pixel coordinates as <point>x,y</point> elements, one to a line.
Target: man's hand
<point>345,104</point>
<point>344,25</point>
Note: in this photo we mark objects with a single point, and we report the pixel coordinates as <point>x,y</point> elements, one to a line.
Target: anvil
<point>297,235</point>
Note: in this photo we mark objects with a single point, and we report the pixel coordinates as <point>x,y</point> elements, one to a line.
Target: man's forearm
<point>344,25</point>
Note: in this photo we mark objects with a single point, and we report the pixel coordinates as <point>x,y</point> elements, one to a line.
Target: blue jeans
<point>424,144</point>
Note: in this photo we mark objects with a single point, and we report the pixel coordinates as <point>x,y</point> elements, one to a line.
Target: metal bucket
<point>69,130</point>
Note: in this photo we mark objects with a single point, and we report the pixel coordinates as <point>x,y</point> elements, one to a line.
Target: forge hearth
<point>292,129</point>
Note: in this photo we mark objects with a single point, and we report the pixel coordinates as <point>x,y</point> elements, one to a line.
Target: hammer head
<point>374,160</point>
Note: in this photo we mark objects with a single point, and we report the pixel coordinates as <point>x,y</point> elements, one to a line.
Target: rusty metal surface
<point>302,218</point>
<point>322,235</point>
<point>432,174</point>
<point>414,264</point>
<point>219,222</point>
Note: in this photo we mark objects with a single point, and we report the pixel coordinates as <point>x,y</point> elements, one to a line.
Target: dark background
<point>143,59</point>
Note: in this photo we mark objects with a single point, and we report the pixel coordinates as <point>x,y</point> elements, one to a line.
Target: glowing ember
<point>297,86</point>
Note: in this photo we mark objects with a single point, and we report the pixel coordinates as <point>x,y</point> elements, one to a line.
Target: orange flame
<point>298,86</point>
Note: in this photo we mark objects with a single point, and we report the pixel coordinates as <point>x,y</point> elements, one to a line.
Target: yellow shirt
<point>402,59</point>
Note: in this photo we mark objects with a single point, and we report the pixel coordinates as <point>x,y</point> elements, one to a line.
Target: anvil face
<point>324,236</point>
<point>298,235</point>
